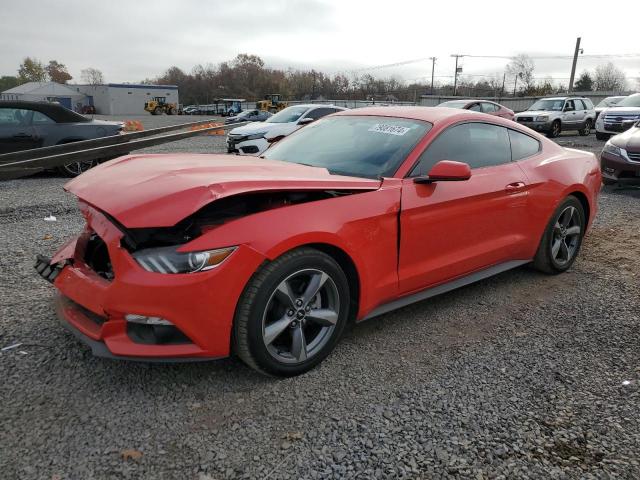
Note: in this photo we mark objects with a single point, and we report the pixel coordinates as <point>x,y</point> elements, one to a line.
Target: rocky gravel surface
<point>520,376</point>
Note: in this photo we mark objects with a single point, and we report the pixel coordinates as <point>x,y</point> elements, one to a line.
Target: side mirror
<point>446,171</point>
<point>305,121</point>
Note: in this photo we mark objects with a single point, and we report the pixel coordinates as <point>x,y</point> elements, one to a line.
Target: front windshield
<point>370,147</point>
<point>454,104</point>
<point>630,101</point>
<point>554,105</point>
<point>288,115</point>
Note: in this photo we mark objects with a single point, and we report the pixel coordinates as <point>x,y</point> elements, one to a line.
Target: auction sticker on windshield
<point>390,129</point>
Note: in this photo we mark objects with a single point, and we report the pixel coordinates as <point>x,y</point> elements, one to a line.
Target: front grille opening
<point>156,334</point>
<point>96,255</point>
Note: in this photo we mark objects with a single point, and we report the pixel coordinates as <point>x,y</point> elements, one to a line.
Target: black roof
<point>54,111</point>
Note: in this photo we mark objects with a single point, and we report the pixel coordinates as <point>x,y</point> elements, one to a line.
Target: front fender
<point>363,225</point>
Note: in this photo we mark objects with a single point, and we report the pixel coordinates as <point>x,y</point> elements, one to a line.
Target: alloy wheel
<point>566,235</point>
<point>300,316</point>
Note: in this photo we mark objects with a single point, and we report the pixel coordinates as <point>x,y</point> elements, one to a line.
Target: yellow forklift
<point>159,105</point>
<point>271,103</point>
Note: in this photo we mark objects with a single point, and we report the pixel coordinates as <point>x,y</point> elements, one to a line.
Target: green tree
<point>584,83</point>
<point>57,72</point>
<point>7,82</point>
<point>32,70</point>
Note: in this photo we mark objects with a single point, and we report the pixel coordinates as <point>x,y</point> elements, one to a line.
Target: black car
<point>249,116</point>
<point>27,125</point>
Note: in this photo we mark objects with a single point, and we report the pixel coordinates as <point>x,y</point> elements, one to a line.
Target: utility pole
<point>515,83</point>
<point>575,61</point>
<point>504,77</point>
<point>455,77</point>
<point>433,68</point>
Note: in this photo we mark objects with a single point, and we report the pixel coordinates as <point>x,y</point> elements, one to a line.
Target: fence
<point>517,104</point>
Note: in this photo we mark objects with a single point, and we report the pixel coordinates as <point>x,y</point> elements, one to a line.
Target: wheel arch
<point>584,201</point>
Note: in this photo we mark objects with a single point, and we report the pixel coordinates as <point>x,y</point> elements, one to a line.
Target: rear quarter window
<point>522,146</point>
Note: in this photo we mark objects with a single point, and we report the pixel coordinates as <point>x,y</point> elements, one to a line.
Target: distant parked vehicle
<point>558,114</point>
<point>255,138</point>
<point>190,110</point>
<point>485,106</point>
<point>249,116</point>
<point>27,125</point>
<point>620,157</point>
<point>618,118</point>
<point>606,103</point>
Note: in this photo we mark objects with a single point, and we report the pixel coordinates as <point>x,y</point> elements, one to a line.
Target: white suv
<point>255,138</point>
<point>558,114</point>
<point>619,117</point>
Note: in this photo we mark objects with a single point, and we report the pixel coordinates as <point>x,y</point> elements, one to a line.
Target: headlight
<point>169,260</point>
<point>256,136</point>
<point>611,149</point>
<point>542,118</point>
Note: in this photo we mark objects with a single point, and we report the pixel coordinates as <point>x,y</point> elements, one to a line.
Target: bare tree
<point>608,77</point>
<point>522,67</point>
<point>92,76</point>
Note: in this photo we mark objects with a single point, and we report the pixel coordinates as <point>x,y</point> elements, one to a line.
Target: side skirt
<point>445,287</point>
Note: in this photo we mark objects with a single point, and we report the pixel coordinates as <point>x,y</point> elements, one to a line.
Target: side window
<point>477,144</point>
<point>319,113</point>
<point>579,105</point>
<point>41,119</point>
<point>489,107</point>
<point>587,103</point>
<point>522,146</point>
<point>15,117</point>
<point>569,106</point>
<point>475,107</point>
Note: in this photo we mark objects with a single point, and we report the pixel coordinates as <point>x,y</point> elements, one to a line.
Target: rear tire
<point>281,326</point>
<point>587,128</point>
<point>556,128</point>
<point>602,136</point>
<point>562,238</point>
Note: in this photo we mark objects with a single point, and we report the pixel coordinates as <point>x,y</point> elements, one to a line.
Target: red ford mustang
<point>197,256</point>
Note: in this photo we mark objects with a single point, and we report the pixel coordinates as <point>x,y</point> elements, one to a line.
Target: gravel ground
<point>519,376</point>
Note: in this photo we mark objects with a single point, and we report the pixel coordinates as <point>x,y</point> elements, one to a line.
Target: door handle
<point>514,187</point>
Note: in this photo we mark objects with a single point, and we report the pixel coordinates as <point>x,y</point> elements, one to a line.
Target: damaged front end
<point>146,293</point>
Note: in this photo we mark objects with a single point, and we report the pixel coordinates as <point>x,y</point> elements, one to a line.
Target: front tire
<point>562,238</point>
<point>587,128</point>
<point>75,169</point>
<point>292,313</point>
<point>556,128</point>
<point>157,111</point>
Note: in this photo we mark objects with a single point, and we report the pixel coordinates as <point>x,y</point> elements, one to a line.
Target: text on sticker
<point>390,129</point>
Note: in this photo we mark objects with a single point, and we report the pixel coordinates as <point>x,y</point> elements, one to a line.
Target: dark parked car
<point>620,157</point>
<point>249,116</point>
<point>26,125</point>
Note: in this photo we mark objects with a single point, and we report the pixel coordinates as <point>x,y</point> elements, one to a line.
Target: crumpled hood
<point>160,190</point>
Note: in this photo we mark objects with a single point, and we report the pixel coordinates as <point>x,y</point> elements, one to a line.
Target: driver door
<point>16,132</point>
<point>569,114</point>
<point>450,229</point>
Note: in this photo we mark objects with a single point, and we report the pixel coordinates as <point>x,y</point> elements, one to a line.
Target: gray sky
<point>136,39</point>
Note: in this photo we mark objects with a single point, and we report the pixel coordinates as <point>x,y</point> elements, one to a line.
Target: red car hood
<point>160,190</point>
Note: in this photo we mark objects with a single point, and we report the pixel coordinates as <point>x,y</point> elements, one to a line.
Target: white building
<point>66,95</point>
<point>125,98</point>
